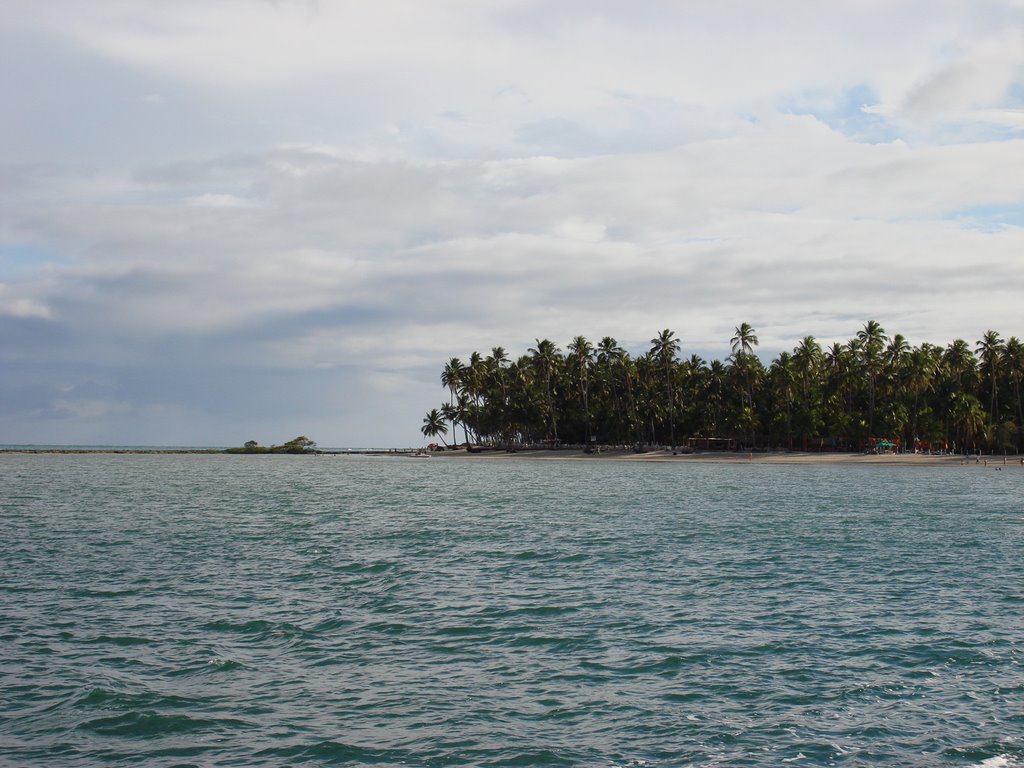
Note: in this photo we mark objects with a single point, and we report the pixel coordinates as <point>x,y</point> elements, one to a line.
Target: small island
<point>300,444</point>
<point>874,394</point>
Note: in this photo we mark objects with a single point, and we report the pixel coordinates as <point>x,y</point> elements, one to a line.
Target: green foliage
<point>872,386</point>
<point>300,444</point>
<point>433,425</point>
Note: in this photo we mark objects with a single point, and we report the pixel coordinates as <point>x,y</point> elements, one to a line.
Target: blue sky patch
<point>988,218</point>
<point>19,261</point>
<point>844,112</point>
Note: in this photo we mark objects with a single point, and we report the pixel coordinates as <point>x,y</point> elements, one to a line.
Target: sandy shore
<point>903,459</point>
<point>707,457</point>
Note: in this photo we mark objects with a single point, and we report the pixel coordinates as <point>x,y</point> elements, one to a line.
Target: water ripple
<point>208,611</point>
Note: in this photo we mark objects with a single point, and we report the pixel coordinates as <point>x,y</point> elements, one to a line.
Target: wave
<point>148,724</point>
<point>331,751</point>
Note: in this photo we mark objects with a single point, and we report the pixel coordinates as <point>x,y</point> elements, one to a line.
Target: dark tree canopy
<point>874,387</point>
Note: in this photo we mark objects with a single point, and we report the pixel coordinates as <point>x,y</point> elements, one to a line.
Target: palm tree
<point>466,412</point>
<point>807,363</point>
<point>475,376</point>
<point>499,359</point>
<point>524,419</point>
<point>607,370</point>
<point>840,376</point>
<point>452,377</point>
<point>647,393</point>
<point>449,412</point>
<point>872,339</point>
<point>493,398</point>
<point>957,374</point>
<point>968,417</point>
<point>893,389</point>
<point>478,377</point>
<point>1013,356</point>
<point>434,426</point>
<point>545,358</point>
<point>664,348</point>
<point>782,378</point>
<point>582,350</point>
<point>499,355</point>
<point>694,372</point>
<point>959,361</point>
<point>920,370</point>
<point>743,342</point>
<point>990,351</point>
<point>631,378</point>
<point>713,395</point>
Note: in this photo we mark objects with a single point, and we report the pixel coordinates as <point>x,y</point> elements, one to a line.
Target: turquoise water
<point>268,611</point>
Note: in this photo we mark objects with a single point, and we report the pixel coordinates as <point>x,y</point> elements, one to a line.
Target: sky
<point>224,220</point>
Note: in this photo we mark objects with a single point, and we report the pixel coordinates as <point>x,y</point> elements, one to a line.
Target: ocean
<point>181,610</point>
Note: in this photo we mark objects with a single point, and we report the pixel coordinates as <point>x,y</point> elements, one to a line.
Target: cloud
<point>218,200</point>
<point>580,73</point>
<point>359,250</point>
<point>980,77</point>
<point>331,200</point>
<point>22,307</point>
<point>16,303</point>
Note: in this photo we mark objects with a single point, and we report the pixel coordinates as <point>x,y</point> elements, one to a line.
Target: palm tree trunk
<point>1020,415</point>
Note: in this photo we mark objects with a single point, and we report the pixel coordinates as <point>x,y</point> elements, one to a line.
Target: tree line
<point>846,396</point>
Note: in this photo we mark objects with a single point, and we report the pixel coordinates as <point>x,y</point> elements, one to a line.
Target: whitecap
<point>999,761</point>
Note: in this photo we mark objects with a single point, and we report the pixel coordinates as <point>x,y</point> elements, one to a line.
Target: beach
<point>714,457</point>
<point>997,461</point>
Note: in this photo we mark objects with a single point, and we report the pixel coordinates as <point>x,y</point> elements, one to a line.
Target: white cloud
<point>460,71</point>
<point>450,176</point>
<point>978,78</point>
<point>22,307</point>
<point>364,251</point>
<point>215,200</point>
<point>578,228</point>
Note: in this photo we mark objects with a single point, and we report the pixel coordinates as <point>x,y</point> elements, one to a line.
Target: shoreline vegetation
<point>875,394</point>
<point>300,444</point>
<point>872,400</point>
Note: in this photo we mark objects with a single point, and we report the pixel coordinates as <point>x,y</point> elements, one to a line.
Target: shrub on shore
<point>300,444</point>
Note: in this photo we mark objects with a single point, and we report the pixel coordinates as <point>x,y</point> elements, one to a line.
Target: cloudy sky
<point>234,219</point>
